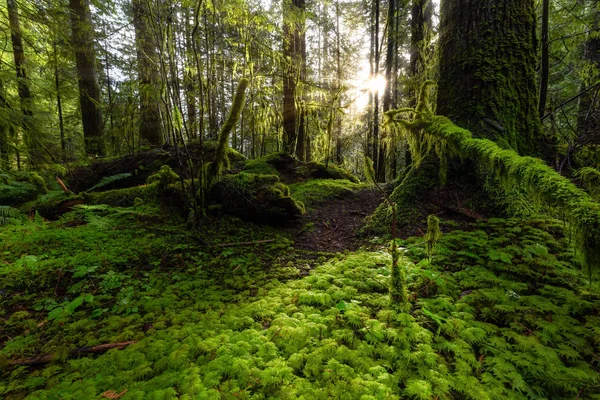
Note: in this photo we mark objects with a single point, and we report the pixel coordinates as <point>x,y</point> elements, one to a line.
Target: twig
<point>48,358</point>
<point>244,243</point>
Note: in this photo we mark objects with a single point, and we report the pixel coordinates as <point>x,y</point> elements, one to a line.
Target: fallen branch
<point>62,184</point>
<point>48,358</point>
<point>245,243</point>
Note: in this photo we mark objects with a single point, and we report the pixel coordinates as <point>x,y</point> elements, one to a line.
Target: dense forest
<point>347,199</point>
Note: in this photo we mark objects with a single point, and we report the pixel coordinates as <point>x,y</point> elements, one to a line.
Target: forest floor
<point>238,310</point>
<point>332,226</point>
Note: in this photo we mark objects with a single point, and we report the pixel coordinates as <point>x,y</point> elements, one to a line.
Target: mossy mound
<point>141,166</point>
<point>291,170</point>
<point>315,191</point>
<point>255,197</point>
<point>21,187</point>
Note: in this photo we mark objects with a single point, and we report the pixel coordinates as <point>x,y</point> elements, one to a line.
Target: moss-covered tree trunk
<point>487,71</point>
<point>89,89</point>
<point>588,120</point>
<point>23,85</point>
<point>149,75</point>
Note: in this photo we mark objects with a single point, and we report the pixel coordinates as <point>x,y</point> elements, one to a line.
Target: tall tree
<point>89,90</point>
<point>23,85</point>
<point>294,59</point>
<point>588,121</point>
<point>487,70</point>
<point>421,30</point>
<point>149,75</point>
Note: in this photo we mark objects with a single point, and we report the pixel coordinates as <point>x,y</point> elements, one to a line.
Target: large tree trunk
<point>487,71</point>
<point>293,58</point>
<point>89,90</point>
<point>588,121</point>
<point>31,141</point>
<point>420,28</point>
<point>149,75</point>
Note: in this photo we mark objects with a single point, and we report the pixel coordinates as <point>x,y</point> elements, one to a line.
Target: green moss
<point>260,198</point>
<point>408,196</point>
<point>291,170</point>
<point>315,191</point>
<point>535,179</point>
<point>125,197</point>
<point>265,165</point>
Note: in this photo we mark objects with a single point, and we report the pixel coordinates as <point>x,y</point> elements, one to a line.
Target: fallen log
<point>48,358</point>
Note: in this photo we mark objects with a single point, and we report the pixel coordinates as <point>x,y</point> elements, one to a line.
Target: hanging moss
<point>537,181</point>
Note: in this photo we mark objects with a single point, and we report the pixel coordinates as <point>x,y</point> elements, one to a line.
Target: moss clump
<point>291,170</point>
<point>259,198</point>
<point>165,177</point>
<point>315,191</point>
<point>125,197</point>
<point>268,165</point>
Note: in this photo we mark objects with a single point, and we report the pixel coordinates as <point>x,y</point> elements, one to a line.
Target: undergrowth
<point>498,312</point>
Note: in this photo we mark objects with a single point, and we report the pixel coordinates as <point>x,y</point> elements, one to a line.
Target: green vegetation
<point>498,312</point>
<point>316,191</point>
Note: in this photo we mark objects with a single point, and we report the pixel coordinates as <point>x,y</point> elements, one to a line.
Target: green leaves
<point>67,309</point>
<point>496,255</point>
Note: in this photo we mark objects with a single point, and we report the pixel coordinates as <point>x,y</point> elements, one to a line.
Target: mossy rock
<point>255,197</point>
<point>290,170</point>
<point>315,191</point>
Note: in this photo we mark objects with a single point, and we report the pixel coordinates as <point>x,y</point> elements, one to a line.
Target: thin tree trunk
<point>5,129</point>
<point>89,90</point>
<point>376,143</point>
<point>420,27</point>
<point>61,122</point>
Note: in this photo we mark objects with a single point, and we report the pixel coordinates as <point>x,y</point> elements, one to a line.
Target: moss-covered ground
<point>500,312</point>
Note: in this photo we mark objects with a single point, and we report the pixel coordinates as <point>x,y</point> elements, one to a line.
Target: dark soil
<point>332,226</point>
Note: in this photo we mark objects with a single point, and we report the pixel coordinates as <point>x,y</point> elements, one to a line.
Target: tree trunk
<point>588,120</point>
<point>293,38</point>
<point>89,90</point>
<point>487,71</point>
<point>545,71</point>
<point>149,75</point>
<point>25,96</point>
<point>5,129</point>
<point>420,28</point>
<point>376,143</point>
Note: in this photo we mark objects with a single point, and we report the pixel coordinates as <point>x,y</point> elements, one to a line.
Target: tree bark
<point>420,28</point>
<point>5,129</point>
<point>149,75</point>
<point>293,38</point>
<point>588,121</point>
<point>545,70</point>
<point>26,98</point>
<point>89,90</point>
<point>487,71</point>
<point>376,143</point>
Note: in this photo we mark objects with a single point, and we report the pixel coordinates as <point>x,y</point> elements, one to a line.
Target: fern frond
<point>107,180</point>
<point>9,214</point>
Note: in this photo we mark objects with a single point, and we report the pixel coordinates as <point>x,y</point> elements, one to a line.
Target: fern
<point>9,215</point>
<point>107,180</point>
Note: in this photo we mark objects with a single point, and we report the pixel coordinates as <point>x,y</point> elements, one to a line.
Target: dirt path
<point>332,226</point>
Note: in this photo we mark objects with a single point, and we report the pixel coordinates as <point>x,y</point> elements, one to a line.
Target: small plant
<point>398,292</point>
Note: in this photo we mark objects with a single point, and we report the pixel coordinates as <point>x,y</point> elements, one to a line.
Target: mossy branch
<point>530,174</point>
<point>215,168</point>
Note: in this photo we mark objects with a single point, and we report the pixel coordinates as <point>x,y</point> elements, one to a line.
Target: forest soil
<point>331,226</point>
